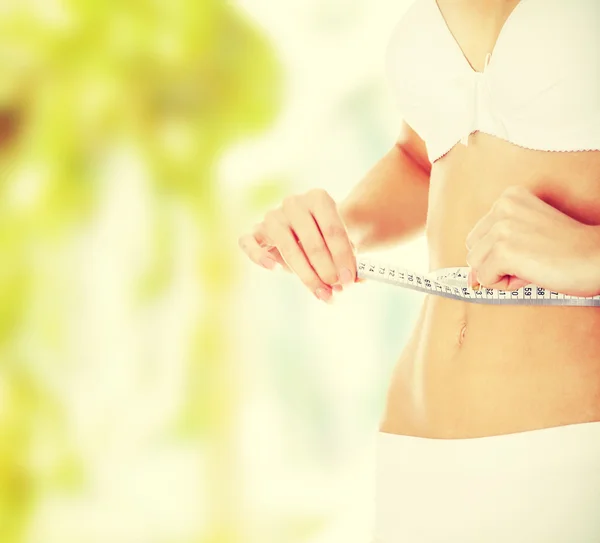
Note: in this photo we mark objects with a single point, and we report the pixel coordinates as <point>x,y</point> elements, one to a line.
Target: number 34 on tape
<point>452,283</point>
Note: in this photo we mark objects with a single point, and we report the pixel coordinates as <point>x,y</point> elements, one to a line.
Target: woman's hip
<point>540,486</point>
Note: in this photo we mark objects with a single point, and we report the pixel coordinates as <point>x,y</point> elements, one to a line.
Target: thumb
<point>358,279</point>
<point>510,282</point>
<point>514,283</point>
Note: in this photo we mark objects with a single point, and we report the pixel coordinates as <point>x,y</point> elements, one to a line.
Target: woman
<point>491,430</point>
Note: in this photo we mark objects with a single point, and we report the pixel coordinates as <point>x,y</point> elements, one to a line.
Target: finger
<point>333,230</point>
<point>255,252</point>
<point>508,282</point>
<point>309,237</point>
<point>265,241</point>
<point>357,279</point>
<point>280,232</point>
<point>481,228</point>
<point>515,283</point>
<point>275,255</point>
<point>515,201</point>
<point>485,269</point>
<point>340,288</point>
<point>495,270</point>
<point>480,251</point>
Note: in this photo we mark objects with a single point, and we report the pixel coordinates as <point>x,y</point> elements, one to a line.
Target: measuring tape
<point>452,283</point>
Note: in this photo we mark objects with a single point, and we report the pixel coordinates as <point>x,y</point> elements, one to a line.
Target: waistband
<point>554,445</point>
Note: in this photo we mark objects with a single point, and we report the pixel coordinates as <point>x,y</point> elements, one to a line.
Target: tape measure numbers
<point>452,283</point>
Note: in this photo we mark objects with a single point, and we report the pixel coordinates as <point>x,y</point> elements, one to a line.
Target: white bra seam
<point>518,145</point>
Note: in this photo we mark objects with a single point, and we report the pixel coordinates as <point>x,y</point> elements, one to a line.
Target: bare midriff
<point>474,370</point>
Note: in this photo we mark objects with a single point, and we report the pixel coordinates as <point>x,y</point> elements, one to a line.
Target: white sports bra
<point>540,88</point>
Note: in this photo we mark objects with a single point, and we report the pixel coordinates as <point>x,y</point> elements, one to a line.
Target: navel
<point>462,333</point>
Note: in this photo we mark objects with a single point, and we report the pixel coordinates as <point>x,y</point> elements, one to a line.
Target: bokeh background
<point>155,387</point>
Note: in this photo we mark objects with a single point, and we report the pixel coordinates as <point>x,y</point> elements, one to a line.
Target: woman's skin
<point>515,216</point>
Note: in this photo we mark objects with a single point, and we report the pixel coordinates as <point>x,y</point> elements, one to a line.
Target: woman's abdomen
<point>473,370</point>
<point>514,368</point>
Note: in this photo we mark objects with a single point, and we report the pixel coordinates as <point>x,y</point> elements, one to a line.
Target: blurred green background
<point>154,386</point>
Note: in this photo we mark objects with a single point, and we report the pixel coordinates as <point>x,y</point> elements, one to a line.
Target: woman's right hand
<point>306,236</point>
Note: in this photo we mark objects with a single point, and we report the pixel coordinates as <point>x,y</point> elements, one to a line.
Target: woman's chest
<point>528,73</point>
<point>475,25</point>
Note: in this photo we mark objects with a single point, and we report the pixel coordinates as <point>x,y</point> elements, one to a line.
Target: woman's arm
<point>312,235</point>
<point>389,205</point>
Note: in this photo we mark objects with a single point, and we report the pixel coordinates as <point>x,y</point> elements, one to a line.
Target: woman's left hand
<point>523,240</point>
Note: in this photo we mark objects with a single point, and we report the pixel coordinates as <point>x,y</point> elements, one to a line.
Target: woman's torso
<point>474,370</point>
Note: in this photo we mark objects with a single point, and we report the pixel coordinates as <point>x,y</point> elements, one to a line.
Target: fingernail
<point>338,288</point>
<point>268,263</point>
<point>346,277</point>
<point>472,282</point>
<point>323,294</point>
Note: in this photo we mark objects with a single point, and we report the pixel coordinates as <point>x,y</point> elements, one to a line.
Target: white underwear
<point>540,486</point>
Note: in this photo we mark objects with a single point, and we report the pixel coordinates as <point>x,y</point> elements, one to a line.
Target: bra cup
<point>546,69</point>
<point>431,86</point>
<point>541,88</point>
